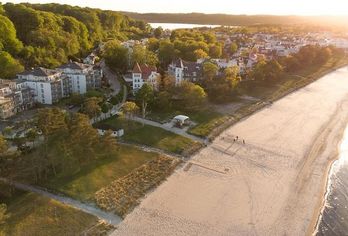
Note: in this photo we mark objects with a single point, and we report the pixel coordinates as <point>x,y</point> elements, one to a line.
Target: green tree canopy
<point>210,70</point>
<point>9,66</point>
<point>116,56</point>
<point>8,37</point>
<point>144,96</point>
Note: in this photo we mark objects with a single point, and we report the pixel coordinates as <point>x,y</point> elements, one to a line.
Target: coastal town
<point>48,86</point>
<point>112,127</point>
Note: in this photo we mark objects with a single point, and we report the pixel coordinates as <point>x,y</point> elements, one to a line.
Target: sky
<point>249,7</point>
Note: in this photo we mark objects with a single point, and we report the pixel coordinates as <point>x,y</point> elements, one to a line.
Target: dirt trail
<point>88,208</point>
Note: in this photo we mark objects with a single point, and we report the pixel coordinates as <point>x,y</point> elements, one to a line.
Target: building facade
<point>142,74</point>
<point>82,77</point>
<point>185,71</point>
<point>48,86</point>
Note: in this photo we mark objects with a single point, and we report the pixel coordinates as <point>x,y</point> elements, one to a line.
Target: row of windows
<point>137,80</point>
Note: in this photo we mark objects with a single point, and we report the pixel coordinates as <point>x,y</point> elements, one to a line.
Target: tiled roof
<point>39,71</point>
<point>74,66</point>
<point>144,69</point>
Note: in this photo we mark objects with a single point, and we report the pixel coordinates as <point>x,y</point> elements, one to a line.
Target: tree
<point>3,215</point>
<point>200,53</point>
<point>85,137</point>
<point>153,44</point>
<point>323,55</point>
<point>158,32</point>
<point>222,88</point>
<point>232,72</point>
<point>166,52</point>
<point>270,70</point>
<point>116,56</point>
<point>143,56</point>
<point>215,51</point>
<point>31,135</point>
<point>163,101</point>
<point>143,97</point>
<point>91,107</point>
<point>210,70</point>
<point>233,48</point>
<point>105,108</point>
<point>9,66</point>
<point>130,108</point>
<point>166,83</point>
<point>76,99</point>
<point>192,95</point>
<point>51,121</point>
<point>3,145</point>
<point>8,38</point>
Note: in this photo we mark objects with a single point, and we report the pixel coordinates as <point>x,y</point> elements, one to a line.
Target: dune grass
<point>83,184</point>
<point>123,194</point>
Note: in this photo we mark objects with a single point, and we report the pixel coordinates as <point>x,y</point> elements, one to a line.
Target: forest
<point>48,35</point>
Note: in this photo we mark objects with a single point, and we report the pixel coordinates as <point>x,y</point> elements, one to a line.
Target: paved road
<point>169,127</point>
<point>90,209</point>
<point>111,77</point>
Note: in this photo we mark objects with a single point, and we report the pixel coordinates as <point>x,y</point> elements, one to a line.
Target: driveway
<point>111,78</point>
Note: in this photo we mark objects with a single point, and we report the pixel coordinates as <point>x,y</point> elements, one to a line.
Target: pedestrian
<point>237,137</point>
<point>243,141</point>
<point>234,140</point>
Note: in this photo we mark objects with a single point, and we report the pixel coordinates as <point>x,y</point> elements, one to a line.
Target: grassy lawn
<point>83,184</point>
<point>148,135</point>
<point>206,120</point>
<point>34,215</point>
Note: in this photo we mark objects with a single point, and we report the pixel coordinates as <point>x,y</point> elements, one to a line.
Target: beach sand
<point>272,185</point>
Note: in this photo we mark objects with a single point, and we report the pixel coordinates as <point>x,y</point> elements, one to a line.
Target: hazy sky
<point>276,7</point>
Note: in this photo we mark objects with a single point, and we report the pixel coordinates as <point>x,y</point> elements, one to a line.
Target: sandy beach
<point>273,184</point>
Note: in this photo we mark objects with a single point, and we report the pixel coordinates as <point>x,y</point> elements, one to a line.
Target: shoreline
<point>326,188</point>
<point>280,173</point>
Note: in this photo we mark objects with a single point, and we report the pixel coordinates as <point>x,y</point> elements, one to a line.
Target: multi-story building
<point>6,108</point>
<point>18,92</point>
<point>185,71</point>
<point>82,77</point>
<point>142,74</point>
<point>48,86</point>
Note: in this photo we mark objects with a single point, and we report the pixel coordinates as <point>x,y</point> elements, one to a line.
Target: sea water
<point>334,218</point>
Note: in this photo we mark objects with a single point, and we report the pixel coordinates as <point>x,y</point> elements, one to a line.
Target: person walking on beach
<point>236,137</point>
<point>243,141</point>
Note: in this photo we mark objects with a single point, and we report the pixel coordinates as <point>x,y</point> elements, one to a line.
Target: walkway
<point>88,208</point>
<point>111,78</point>
<point>169,127</point>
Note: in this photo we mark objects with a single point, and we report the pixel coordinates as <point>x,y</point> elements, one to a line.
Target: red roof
<point>144,70</point>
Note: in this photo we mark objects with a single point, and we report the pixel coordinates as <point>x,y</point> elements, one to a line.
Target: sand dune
<point>271,185</point>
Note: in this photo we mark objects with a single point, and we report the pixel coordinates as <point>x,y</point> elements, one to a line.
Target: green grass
<point>206,120</point>
<point>148,135</point>
<point>83,184</point>
<point>34,215</point>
